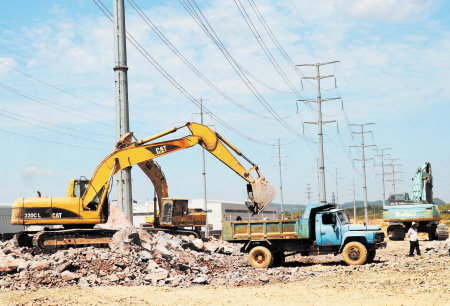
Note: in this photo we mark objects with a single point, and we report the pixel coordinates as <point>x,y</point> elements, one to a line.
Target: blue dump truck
<point>323,229</point>
<point>401,211</point>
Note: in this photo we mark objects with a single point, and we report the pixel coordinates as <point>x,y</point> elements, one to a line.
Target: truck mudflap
<point>381,245</point>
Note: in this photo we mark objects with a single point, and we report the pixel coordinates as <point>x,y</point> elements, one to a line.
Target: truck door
<point>328,229</point>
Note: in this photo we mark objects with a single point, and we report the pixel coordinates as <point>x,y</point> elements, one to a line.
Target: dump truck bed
<point>265,230</point>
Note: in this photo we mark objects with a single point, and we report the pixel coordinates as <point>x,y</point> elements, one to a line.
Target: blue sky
<point>394,70</point>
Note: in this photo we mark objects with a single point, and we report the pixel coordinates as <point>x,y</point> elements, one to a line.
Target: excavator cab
<point>175,213</point>
<point>167,212</point>
<point>80,187</point>
<point>77,188</point>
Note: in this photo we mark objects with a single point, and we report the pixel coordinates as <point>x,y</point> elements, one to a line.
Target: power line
<point>281,180</point>
<point>60,126</point>
<point>354,202</point>
<point>49,141</point>
<point>37,99</point>
<point>382,171</point>
<point>54,87</point>
<point>213,36</point>
<point>158,67</point>
<point>186,62</point>
<point>362,146</point>
<point>309,193</point>
<point>319,123</point>
<point>393,180</point>
<point>264,46</point>
<point>243,41</point>
<point>46,128</point>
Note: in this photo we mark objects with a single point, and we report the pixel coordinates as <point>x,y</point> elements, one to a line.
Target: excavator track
<point>23,239</point>
<point>50,240</point>
<point>442,232</point>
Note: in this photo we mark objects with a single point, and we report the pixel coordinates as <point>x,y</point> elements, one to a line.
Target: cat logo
<point>162,149</point>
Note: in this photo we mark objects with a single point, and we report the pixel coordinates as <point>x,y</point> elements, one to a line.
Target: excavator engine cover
<point>261,193</point>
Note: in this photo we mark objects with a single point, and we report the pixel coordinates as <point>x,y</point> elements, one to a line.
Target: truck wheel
<point>260,257</point>
<point>354,253</point>
<point>371,256</point>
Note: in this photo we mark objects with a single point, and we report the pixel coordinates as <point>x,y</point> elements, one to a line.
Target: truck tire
<point>371,256</point>
<point>260,257</point>
<point>354,253</point>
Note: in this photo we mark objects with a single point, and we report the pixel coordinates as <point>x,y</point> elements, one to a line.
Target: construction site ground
<point>392,279</point>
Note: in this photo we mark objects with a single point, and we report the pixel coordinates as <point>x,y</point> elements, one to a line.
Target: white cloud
<point>392,10</point>
<point>34,172</point>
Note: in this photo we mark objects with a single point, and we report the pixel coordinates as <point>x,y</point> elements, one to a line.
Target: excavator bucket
<point>261,193</point>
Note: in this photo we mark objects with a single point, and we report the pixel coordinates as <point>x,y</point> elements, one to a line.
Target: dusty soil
<point>393,279</point>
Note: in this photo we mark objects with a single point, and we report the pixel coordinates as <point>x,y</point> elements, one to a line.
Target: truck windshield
<point>343,217</point>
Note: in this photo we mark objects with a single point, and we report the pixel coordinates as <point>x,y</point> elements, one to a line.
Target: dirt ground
<point>393,279</point>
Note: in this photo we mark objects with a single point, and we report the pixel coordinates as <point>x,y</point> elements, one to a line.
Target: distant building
<point>5,220</point>
<point>232,210</point>
<point>140,212</point>
<point>216,209</point>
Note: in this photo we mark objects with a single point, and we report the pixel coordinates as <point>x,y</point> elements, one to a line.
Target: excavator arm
<point>128,153</point>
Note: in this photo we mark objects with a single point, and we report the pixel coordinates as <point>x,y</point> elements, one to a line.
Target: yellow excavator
<point>87,202</point>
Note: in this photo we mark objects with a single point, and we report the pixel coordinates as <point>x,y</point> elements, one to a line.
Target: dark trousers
<point>414,245</point>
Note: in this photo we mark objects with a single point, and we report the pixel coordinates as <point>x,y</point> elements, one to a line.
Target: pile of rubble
<point>135,257</point>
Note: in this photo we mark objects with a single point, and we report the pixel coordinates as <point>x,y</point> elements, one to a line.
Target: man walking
<point>413,240</point>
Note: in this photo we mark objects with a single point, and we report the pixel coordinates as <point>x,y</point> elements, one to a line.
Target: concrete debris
<point>68,276</point>
<point>137,258</point>
<point>201,279</point>
<point>433,246</point>
<point>134,257</point>
<point>116,220</point>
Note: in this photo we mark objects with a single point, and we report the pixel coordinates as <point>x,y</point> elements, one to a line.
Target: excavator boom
<point>127,153</point>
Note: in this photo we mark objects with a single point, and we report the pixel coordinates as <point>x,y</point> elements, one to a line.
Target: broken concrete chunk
<point>201,279</point>
<point>68,276</point>
<point>145,256</point>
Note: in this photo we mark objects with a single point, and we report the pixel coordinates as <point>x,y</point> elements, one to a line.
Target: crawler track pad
<point>263,194</point>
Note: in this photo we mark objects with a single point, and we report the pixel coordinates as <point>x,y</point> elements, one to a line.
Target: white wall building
<point>5,220</point>
<point>216,209</point>
<point>140,212</point>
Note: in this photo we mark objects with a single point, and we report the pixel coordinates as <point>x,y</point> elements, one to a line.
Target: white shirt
<point>412,234</point>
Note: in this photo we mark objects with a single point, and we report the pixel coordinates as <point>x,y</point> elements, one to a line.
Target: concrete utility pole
<point>205,202</point>
<point>281,181</point>
<point>309,194</point>
<point>318,179</point>
<point>319,123</point>
<point>124,198</point>
<point>393,180</point>
<point>354,202</point>
<point>337,190</point>
<point>382,173</point>
<point>362,146</point>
